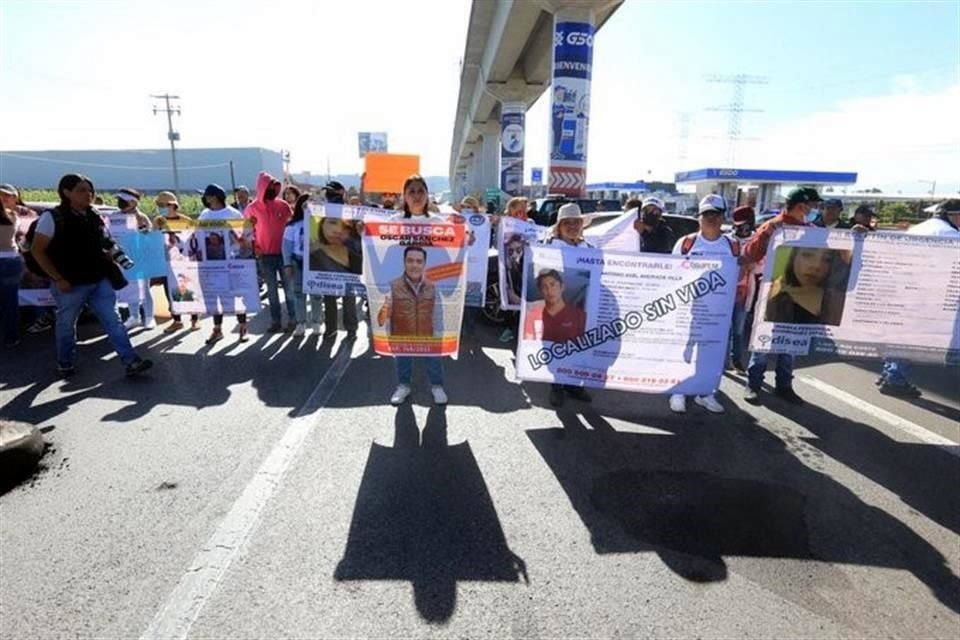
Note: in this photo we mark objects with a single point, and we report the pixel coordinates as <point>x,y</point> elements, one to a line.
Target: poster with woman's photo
<point>871,295</point>
<point>648,323</point>
<point>333,250</point>
<point>513,236</point>
<point>415,275</point>
<point>211,266</point>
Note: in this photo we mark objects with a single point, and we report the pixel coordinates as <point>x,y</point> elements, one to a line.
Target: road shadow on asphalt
<point>701,489</point>
<point>423,514</point>
<point>201,379</point>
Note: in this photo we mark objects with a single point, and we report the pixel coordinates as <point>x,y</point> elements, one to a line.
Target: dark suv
<point>545,213</point>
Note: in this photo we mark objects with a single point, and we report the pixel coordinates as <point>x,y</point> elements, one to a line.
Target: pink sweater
<point>269,218</point>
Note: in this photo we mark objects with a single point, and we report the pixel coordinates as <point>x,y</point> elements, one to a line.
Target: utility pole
<point>172,135</point>
<point>933,186</point>
<point>735,108</point>
<point>285,160</point>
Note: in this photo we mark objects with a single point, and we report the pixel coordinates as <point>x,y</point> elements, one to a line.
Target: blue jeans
<point>103,302</point>
<point>738,330</point>
<point>405,369</point>
<point>269,267</point>
<point>11,269</point>
<point>896,372</point>
<point>758,367</point>
<point>293,289</point>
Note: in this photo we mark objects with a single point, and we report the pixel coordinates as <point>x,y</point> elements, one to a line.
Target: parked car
<point>545,212</point>
<point>493,314</point>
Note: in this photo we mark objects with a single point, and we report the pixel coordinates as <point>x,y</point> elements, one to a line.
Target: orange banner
<point>412,346</point>
<point>386,172</point>
<point>444,271</point>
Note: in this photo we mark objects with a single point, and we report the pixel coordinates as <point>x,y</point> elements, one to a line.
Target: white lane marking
<point>178,614</point>
<point>912,429</point>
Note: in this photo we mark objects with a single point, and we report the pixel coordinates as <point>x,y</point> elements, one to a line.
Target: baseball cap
<point>656,202</point>
<point>128,195</point>
<point>743,215</point>
<point>8,189</point>
<point>242,187</point>
<point>802,195</point>
<point>333,185</point>
<point>712,202</point>
<point>833,202</point>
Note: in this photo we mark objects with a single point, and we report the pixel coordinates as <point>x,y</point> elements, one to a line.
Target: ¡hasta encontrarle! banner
<point>415,274</point>
<point>211,267</point>
<point>868,295</point>
<point>333,251</point>
<point>645,323</point>
<point>513,236</point>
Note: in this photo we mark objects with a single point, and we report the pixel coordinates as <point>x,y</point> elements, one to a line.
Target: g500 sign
<point>574,39</point>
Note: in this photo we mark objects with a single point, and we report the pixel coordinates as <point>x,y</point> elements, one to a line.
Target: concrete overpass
<point>507,64</point>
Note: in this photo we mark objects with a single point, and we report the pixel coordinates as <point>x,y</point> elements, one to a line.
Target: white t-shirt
<point>703,247</point>
<point>934,227</point>
<point>227,213</point>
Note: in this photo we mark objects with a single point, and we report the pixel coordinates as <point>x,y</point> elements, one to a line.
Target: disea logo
<point>476,219</point>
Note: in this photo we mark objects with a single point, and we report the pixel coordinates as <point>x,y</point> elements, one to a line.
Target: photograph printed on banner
<point>556,304</point>
<point>415,274</point>
<point>333,255</point>
<point>478,241</point>
<point>809,286</point>
<point>513,236</point>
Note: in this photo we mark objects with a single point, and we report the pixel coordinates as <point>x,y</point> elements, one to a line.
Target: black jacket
<point>657,240</point>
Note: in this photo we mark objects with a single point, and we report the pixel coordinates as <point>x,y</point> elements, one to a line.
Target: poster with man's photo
<point>332,249</point>
<point>211,266</point>
<point>870,295</point>
<point>415,274</point>
<point>647,323</point>
<point>513,236</point>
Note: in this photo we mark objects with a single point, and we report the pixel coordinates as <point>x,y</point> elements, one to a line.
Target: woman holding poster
<point>563,318</point>
<point>11,266</point>
<point>415,198</point>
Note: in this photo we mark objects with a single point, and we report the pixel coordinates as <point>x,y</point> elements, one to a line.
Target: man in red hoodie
<point>269,215</point>
<point>801,203</point>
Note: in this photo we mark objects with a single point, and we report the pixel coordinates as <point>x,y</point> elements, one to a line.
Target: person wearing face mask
<point>744,223</point>
<point>829,217</point>
<point>655,235</point>
<point>801,201</point>
<point>269,215</point>
<point>128,201</point>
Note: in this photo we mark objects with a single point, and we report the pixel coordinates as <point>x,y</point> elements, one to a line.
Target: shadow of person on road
<point>423,514</point>
<point>698,494</point>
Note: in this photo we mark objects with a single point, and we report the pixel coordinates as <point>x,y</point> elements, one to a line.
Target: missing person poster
<point>211,266</point>
<point>415,274</point>
<point>869,295</point>
<point>645,323</point>
<point>478,246</point>
<point>34,289</point>
<point>333,252</point>
<point>513,236</point>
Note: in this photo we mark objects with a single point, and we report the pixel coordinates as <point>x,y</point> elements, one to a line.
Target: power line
<point>735,108</point>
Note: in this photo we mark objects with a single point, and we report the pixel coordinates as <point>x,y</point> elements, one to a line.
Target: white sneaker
<point>709,403</point>
<point>400,395</point>
<point>678,403</point>
<point>300,329</point>
<point>150,324</point>
<point>317,327</point>
<point>132,321</point>
<point>439,395</point>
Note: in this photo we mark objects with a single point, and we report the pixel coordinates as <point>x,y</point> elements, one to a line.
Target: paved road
<point>268,490</point>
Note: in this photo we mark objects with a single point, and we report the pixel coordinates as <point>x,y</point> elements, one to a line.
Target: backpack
<point>28,258</point>
<point>688,241</point>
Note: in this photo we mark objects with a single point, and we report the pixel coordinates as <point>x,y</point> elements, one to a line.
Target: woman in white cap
<point>568,232</point>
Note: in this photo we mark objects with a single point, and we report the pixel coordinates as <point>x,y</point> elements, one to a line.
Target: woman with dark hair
<point>333,250</point>
<point>812,288</point>
<point>291,194</point>
<point>415,200</point>
<point>292,252</point>
<point>11,267</point>
<point>69,245</point>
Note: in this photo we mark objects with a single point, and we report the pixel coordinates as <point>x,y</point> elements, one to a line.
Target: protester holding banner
<point>168,210</point>
<point>655,235</point>
<point>413,295</point>
<point>138,293</point>
<point>269,216</point>
<point>515,244</point>
<point>11,267</point>
<point>829,217</point>
<point>566,232</point>
<point>744,222</point>
<point>293,249</point>
<point>894,379</point>
<point>334,253</point>
<point>708,241</point>
<point>69,245</point>
<point>800,202</point>
<point>215,199</point>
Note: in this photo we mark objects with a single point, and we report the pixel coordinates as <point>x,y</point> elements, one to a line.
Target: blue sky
<point>864,86</point>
